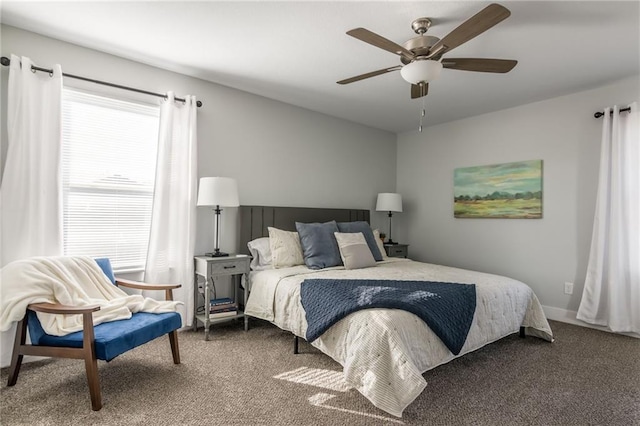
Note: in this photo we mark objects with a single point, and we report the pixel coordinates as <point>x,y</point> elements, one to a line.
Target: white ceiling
<point>296,51</point>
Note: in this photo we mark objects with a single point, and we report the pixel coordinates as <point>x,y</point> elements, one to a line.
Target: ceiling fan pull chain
<point>422,115</point>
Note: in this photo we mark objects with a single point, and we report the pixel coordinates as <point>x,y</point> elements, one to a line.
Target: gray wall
<point>280,154</point>
<point>543,253</point>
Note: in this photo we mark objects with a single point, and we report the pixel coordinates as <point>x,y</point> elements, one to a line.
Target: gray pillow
<point>319,244</point>
<point>362,226</point>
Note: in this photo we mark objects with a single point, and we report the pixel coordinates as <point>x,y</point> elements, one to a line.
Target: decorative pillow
<point>354,250</point>
<point>105,264</point>
<point>285,248</point>
<point>260,250</point>
<point>380,244</point>
<point>362,226</point>
<point>319,245</point>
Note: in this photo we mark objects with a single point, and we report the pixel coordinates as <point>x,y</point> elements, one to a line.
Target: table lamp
<point>389,202</point>
<point>216,192</point>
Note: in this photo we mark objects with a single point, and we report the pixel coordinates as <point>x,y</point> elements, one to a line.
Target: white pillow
<point>285,248</point>
<point>383,252</point>
<point>354,251</point>
<point>260,250</point>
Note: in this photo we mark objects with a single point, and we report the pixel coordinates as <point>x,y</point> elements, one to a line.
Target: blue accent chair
<point>105,341</point>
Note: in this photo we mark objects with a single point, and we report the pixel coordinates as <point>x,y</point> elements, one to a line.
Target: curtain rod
<point>6,62</point>
<point>600,113</point>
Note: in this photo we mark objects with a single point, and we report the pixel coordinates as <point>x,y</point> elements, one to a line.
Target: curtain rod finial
<point>5,61</point>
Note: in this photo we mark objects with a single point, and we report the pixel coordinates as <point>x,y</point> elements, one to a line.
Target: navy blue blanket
<point>447,308</point>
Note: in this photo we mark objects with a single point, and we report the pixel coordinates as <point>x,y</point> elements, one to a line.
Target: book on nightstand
<point>222,305</point>
<point>223,308</point>
<point>217,315</point>
<point>222,301</point>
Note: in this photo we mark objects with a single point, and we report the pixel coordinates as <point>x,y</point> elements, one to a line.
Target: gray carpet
<point>586,377</point>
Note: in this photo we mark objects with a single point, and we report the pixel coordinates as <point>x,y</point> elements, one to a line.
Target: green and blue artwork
<point>509,190</point>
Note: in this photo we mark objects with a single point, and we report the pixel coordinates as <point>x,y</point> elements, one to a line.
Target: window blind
<point>108,174</point>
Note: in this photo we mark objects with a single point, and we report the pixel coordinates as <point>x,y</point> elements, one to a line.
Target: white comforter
<point>385,351</point>
<point>76,281</point>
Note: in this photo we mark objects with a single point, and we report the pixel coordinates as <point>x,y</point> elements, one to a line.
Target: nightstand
<point>397,250</point>
<point>211,269</point>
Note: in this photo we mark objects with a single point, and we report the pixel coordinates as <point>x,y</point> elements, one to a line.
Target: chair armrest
<point>88,349</point>
<point>56,308</point>
<point>145,286</point>
<point>168,288</point>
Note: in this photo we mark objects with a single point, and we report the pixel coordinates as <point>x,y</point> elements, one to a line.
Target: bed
<point>384,352</point>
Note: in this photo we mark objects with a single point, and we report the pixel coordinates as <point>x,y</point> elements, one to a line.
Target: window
<point>108,165</point>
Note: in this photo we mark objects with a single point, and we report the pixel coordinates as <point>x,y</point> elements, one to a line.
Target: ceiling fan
<point>422,55</point>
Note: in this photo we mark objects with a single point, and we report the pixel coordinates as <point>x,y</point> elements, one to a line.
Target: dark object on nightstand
<point>396,250</point>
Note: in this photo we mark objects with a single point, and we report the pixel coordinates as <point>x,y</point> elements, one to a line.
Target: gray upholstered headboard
<point>254,220</point>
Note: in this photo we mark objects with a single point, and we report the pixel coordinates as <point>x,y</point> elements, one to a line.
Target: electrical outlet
<point>568,288</point>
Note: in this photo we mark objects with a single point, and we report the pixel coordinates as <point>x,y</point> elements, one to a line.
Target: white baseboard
<point>570,317</point>
<point>564,315</point>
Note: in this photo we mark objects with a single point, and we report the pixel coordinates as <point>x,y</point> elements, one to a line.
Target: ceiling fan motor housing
<point>419,45</point>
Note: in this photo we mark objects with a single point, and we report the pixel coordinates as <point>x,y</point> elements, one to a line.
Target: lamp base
<point>217,254</point>
<point>391,242</point>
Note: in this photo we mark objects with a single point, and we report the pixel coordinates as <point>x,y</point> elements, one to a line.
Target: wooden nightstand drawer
<point>397,250</point>
<point>230,267</point>
<point>221,266</point>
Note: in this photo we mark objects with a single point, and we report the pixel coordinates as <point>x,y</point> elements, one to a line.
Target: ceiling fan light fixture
<point>421,71</point>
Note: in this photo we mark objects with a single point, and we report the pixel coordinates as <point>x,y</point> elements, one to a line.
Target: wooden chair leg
<point>173,336</point>
<point>91,362</point>
<point>175,350</point>
<point>91,366</point>
<point>16,357</point>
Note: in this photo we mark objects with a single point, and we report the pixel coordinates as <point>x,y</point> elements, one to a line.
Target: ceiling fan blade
<point>481,65</point>
<point>369,74</point>
<point>472,27</point>
<point>381,42</point>
<point>419,90</point>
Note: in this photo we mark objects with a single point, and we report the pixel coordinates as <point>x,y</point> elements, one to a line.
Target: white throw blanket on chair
<point>74,281</point>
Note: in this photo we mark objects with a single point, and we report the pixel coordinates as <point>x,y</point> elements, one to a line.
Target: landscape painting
<point>509,190</point>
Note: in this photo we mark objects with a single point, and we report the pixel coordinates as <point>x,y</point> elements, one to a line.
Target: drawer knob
<point>230,267</point>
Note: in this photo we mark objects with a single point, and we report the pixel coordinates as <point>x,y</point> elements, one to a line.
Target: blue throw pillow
<point>105,265</point>
<point>319,244</point>
<point>362,226</point>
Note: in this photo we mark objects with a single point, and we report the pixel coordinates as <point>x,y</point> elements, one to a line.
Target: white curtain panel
<point>611,294</point>
<point>173,220</point>
<point>30,192</point>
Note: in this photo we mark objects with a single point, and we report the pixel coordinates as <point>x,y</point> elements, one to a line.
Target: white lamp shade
<point>389,202</point>
<point>420,71</point>
<point>218,191</point>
